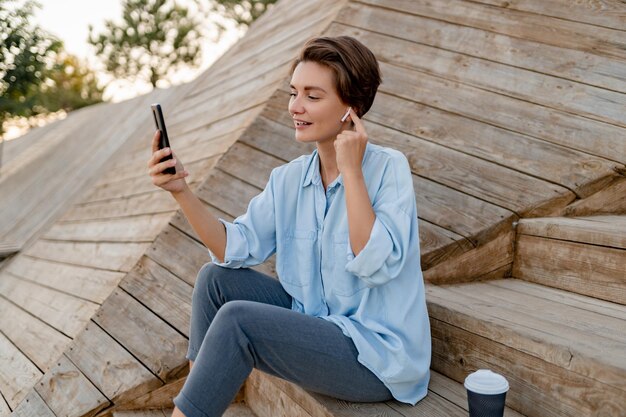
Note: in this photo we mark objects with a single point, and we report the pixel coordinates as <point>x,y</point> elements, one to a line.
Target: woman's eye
<point>313,98</point>
<point>292,94</point>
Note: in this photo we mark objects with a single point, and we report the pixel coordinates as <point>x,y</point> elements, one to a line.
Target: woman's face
<point>315,105</point>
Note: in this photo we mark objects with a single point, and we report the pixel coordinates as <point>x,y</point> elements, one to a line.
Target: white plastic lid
<point>485,381</point>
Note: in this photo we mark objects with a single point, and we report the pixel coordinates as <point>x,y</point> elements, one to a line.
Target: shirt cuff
<point>372,257</point>
<point>236,247</point>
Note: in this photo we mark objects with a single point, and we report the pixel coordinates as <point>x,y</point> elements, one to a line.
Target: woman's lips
<point>301,124</point>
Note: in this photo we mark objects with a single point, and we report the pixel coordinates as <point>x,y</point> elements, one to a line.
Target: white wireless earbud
<point>345,116</point>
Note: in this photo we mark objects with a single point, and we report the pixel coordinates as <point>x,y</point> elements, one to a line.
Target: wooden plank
<point>141,228</point>
<point>179,254</point>
<point>162,292</point>
<point>88,283</point>
<point>17,373</point>
<point>227,193</point>
<point>4,407</point>
<point>107,365</point>
<point>64,312</point>
<point>581,352</point>
<point>590,270</point>
<point>537,28</point>
<point>68,392</point>
<point>607,13</point>
<point>431,44</point>
<point>517,149</point>
<point>474,263</point>
<point>576,97</point>
<point>28,333</point>
<point>141,413</point>
<point>157,201</point>
<point>536,387</point>
<point>565,297</point>
<point>573,320</point>
<point>265,400</point>
<point>597,230</point>
<point>109,256</point>
<point>611,200</point>
<point>157,345</point>
<point>33,406</point>
<point>515,191</point>
<point>249,164</point>
<point>161,397</point>
<point>438,244</point>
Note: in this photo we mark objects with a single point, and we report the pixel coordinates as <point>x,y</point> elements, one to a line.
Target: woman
<point>347,317</point>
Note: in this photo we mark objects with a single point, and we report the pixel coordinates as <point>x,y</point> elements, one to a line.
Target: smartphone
<point>164,141</point>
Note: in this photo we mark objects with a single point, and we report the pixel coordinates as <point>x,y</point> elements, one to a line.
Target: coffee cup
<point>486,393</point>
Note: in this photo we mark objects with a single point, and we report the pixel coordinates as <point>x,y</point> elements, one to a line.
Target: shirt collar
<point>312,174</point>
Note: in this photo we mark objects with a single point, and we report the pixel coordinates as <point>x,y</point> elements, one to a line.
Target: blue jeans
<point>242,319</point>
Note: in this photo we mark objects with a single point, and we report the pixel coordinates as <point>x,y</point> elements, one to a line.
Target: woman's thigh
<point>215,286</point>
<point>309,351</point>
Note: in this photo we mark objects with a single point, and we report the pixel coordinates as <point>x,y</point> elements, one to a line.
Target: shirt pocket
<point>297,257</point>
<point>344,283</point>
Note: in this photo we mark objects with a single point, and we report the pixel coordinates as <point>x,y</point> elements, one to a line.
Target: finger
<point>155,141</point>
<point>158,155</point>
<point>164,179</point>
<point>160,167</point>
<point>358,125</point>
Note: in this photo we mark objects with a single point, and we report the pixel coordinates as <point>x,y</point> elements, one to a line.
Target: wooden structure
<point>512,117</point>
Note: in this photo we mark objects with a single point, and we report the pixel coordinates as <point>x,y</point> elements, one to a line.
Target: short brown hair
<point>356,71</point>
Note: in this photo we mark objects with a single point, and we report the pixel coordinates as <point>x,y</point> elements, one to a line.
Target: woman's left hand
<point>350,147</point>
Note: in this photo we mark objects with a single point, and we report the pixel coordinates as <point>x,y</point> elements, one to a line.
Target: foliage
<point>37,77</point>
<point>244,12</point>
<point>155,38</point>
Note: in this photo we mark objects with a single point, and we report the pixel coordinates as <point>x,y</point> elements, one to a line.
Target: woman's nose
<point>294,106</point>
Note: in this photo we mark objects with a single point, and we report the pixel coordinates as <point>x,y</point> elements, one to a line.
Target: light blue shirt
<point>377,298</point>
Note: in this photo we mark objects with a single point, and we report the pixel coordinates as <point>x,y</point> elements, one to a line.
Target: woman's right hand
<point>174,183</point>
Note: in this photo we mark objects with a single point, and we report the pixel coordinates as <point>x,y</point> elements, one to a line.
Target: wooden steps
<point>269,396</point>
<point>564,354</point>
<point>235,410</point>
<point>583,255</point>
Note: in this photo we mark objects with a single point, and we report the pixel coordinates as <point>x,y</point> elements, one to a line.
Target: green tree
<point>244,12</point>
<point>155,38</point>
<point>36,75</point>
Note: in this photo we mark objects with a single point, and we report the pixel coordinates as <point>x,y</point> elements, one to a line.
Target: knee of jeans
<point>206,280</point>
<point>233,311</point>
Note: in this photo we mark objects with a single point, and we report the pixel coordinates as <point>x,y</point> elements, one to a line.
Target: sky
<point>69,20</point>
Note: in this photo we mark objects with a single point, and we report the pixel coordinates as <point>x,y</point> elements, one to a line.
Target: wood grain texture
<point>157,345</point>
<point>68,392</point>
<point>88,283</point>
<point>596,230</point>
<point>605,13</point>
<point>63,312</point>
<point>179,254</point>
<point>537,28</point>
<point>611,200</point>
<point>162,292</point>
<point>33,406</point>
<point>537,388</point>
<point>474,263</point>
<point>29,333</point>
<point>590,270</point>
<point>110,367</point>
<point>160,397</point>
<point>108,256</point>
<point>17,373</point>
<point>540,88</point>
<point>128,229</point>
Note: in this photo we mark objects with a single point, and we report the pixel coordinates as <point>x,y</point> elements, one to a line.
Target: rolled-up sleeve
<point>383,256</point>
<point>251,237</point>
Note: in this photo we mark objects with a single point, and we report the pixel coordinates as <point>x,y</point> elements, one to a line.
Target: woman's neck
<point>328,162</point>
